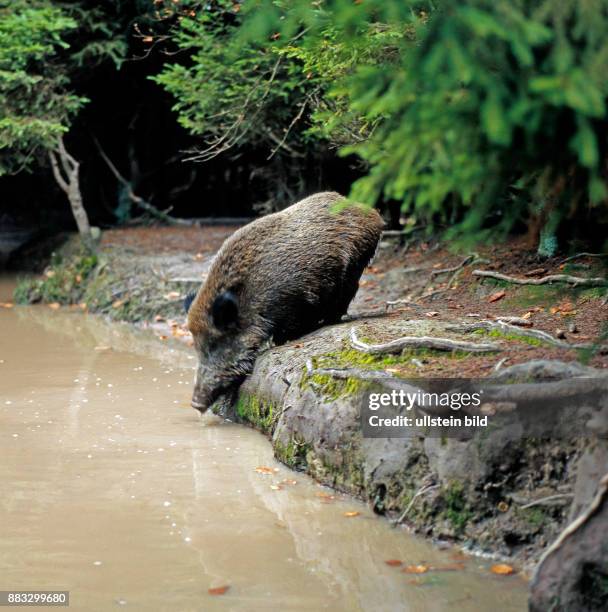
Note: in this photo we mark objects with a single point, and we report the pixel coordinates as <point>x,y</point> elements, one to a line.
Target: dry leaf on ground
<point>497,296</point>
<point>218,590</point>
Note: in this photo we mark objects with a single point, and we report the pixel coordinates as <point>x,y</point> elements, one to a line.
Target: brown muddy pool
<point>114,489</point>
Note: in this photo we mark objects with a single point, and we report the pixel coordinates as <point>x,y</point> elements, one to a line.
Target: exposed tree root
<point>424,489</point>
<point>422,342</point>
<point>504,327</point>
<point>549,500</point>
<point>346,373</point>
<point>552,278</point>
<point>579,255</point>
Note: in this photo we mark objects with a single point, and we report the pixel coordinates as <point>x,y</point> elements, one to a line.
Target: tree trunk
<point>69,181</point>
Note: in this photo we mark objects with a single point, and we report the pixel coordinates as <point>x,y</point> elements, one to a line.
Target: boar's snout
<point>206,390</point>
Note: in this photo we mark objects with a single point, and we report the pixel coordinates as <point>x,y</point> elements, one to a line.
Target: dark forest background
<point>474,118</point>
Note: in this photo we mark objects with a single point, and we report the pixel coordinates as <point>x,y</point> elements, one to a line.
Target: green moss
<point>295,454</point>
<point>526,296</point>
<point>496,333</point>
<point>252,410</point>
<point>64,281</point>
<point>456,509</point>
<point>535,517</point>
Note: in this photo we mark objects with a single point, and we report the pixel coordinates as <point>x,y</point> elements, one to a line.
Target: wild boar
<point>277,278</point>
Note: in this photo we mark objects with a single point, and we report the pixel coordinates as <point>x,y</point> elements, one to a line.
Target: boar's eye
<point>225,310</point>
<point>188,301</point>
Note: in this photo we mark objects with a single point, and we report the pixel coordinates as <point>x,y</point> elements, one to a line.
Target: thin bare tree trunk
<point>66,172</point>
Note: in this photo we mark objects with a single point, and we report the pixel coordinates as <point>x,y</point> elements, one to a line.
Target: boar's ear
<point>188,301</point>
<point>225,310</point>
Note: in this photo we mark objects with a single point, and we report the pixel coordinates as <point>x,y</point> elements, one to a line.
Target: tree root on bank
<point>536,334</point>
<point>552,278</point>
<point>418,342</point>
<point>346,373</point>
<point>579,255</point>
<point>549,500</point>
<point>424,489</point>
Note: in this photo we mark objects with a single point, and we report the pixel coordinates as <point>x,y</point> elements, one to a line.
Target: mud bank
<point>483,491</point>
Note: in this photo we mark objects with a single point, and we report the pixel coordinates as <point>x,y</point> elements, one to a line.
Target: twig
<point>512,329</point>
<point>552,278</point>
<point>428,342</point>
<point>424,489</point>
<point>579,255</point>
<point>547,500</point>
<point>500,364</point>
<point>461,265</point>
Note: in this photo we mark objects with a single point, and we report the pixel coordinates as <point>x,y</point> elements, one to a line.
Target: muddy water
<point>114,490</point>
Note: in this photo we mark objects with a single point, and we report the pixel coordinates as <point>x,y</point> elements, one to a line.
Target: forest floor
<point>425,280</point>
<point>489,491</point>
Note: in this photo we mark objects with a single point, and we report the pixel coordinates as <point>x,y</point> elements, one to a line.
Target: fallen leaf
<point>148,39</point>
<point>502,569</point>
<point>324,495</point>
<point>159,318</point>
<point>199,256</point>
<point>502,506</point>
<point>102,348</point>
<point>117,303</point>
<point>162,337</point>
<point>6,304</point>
<point>415,569</point>
<point>82,305</point>
<point>78,278</point>
<point>49,273</point>
<point>497,296</point>
<point>351,513</point>
<point>218,590</point>
<point>55,305</point>
<point>433,313</point>
<point>289,481</point>
<point>262,469</point>
<point>275,487</point>
<point>172,295</point>
<point>527,315</point>
<point>393,562</point>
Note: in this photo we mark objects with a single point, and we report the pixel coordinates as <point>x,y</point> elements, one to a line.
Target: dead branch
<point>418,342</point>
<point>137,200</point>
<point>552,278</point>
<point>504,327</point>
